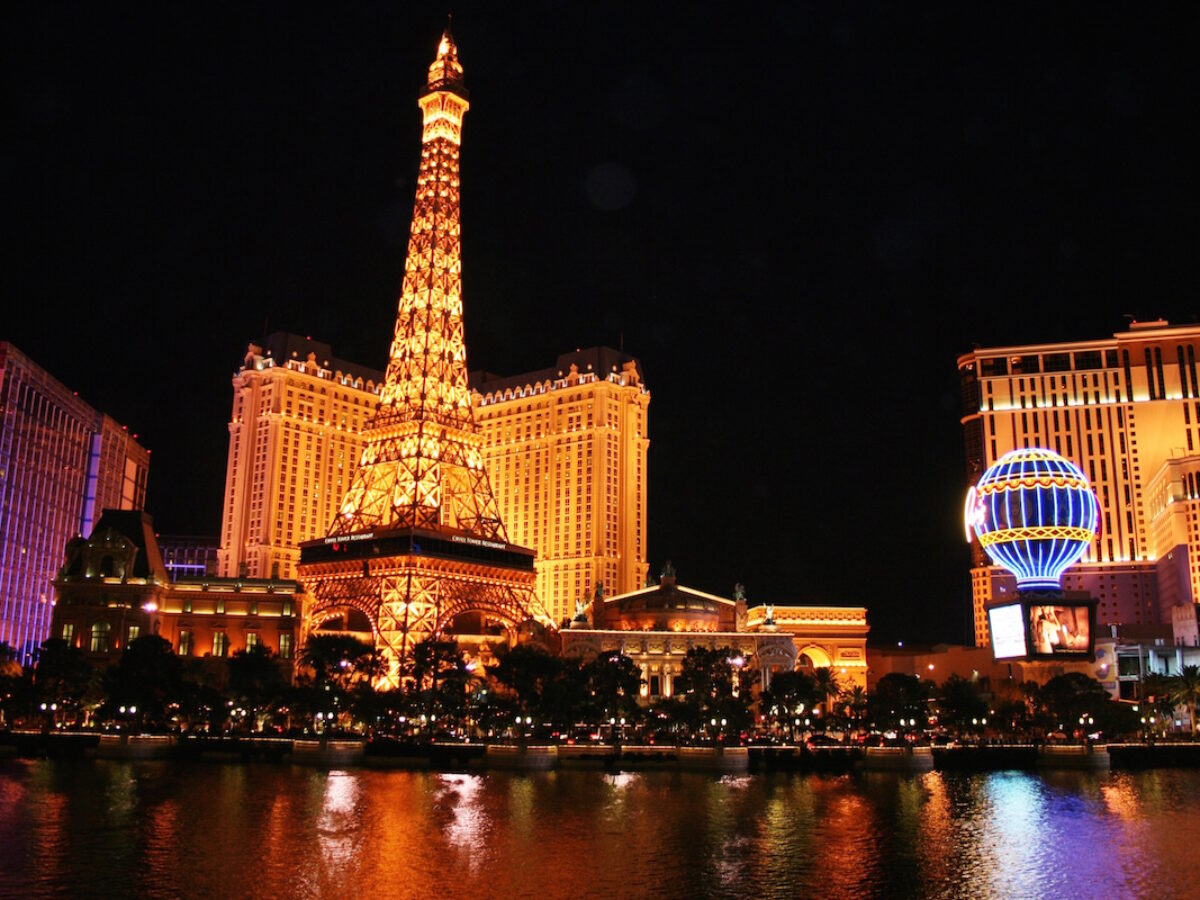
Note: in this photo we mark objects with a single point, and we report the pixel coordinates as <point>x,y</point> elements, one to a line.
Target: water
<point>165,829</point>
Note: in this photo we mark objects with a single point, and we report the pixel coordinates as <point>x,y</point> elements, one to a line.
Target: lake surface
<point>163,829</point>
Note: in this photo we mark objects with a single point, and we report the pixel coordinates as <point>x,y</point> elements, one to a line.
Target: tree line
<point>529,693</point>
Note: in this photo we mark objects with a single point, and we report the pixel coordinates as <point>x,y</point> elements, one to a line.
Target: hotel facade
<point>1126,410</point>
<point>61,463</point>
<point>115,587</point>
<point>294,443</point>
<point>565,450</point>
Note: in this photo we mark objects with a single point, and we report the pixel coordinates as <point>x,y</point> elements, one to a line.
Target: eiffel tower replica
<point>418,540</point>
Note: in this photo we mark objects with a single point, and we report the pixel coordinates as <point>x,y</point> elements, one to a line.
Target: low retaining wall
<point>536,758</point>
<point>391,753</point>
<point>715,759</point>
<point>135,746</point>
<point>898,759</point>
<point>1073,756</point>
<point>328,752</point>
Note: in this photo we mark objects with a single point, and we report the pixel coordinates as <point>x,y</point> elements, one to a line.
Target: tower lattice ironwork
<point>418,538</point>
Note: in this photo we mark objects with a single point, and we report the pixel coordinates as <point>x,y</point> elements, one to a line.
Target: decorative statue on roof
<point>668,570</point>
<point>580,610</point>
<point>770,611</point>
<point>739,591</point>
<point>598,594</point>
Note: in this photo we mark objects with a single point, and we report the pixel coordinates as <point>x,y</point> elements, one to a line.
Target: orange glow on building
<point>417,540</point>
<point>295,436</point>
<point>566,450</point>
<point>1126,410</point>
<point>565,453</point>
<point>115,588</point>
<point>656,626</point>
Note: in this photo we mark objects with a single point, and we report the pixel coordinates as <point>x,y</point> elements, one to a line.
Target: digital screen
<point>1060,630</point>
<point>1007,624</point>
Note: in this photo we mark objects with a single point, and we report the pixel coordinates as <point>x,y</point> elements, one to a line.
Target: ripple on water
<point>165,829</point>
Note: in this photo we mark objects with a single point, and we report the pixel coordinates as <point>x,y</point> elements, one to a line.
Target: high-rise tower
<point>1126,410</point>
<point>418,540</point>
<point>61,464</point>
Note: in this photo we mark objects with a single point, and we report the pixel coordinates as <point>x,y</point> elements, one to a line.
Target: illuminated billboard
<point>1043,627</point>
<point>1060,630</point>
<point>1007,626</point>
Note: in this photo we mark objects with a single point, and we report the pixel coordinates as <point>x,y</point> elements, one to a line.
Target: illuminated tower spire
<point>422,464</point>
<point>417,545</point>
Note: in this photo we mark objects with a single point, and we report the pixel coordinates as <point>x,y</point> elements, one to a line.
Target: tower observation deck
<point>418,540</point>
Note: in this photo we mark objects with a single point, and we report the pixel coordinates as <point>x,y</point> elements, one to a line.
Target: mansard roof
<point>122,544</point>
<point>600,361</point>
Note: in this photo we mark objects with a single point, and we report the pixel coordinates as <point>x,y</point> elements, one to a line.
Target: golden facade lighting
<point>1126,411</point>
<point>418,539</point>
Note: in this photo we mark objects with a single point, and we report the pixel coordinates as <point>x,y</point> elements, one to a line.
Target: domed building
<point>658,624</point>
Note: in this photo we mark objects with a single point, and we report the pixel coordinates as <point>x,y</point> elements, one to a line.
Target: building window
<point>134,631</point>
<point>100,637</point>
<point>185,643</point>
<point>68,632</point>
<point>220,644</point>
<point>285,645</point>
<point>252,640</point>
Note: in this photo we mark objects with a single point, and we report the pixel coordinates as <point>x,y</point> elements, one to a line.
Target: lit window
<point>185,643</point>
<point>220,644</point>
<point>100,637</point>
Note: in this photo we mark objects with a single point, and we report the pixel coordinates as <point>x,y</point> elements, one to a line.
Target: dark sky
<point>797,216</point>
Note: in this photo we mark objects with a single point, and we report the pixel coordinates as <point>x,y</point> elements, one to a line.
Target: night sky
<point>795,216</point>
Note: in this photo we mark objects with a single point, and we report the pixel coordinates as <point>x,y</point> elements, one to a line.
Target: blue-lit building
<point>61,463</point>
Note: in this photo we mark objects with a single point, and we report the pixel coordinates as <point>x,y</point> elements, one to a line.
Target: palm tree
<point>1184,690</point>
<point>790,695</point>
<point>854,700</point>
<point>343,669</point>
<point>827,684</point>
<point>257,683</point>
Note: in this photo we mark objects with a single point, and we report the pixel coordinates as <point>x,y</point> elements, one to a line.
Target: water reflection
<point>470,823</point>
<point>339,819</point>
<point>164,829</point>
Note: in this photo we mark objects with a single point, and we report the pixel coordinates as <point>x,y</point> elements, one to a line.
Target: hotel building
<point>61,462</point>
<point>115,588</point>
<point>1126,410</point>
<point>565,451</point>
<point>294,443</point>
<point>657,625</point>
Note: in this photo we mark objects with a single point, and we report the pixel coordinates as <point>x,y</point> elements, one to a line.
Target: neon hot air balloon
<point>1035,515</point>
